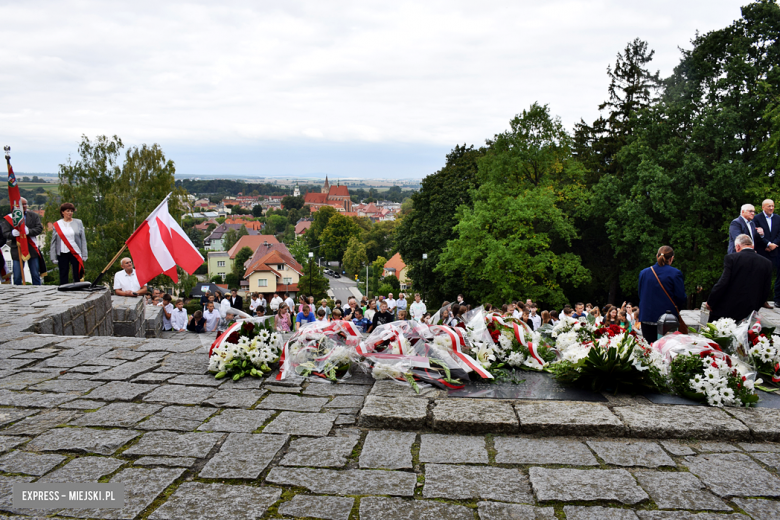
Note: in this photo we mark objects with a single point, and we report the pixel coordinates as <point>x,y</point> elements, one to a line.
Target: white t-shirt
<point>254,304</point>
<point>263,303</point>
<point>126,282</point>
<point>369,314</point>
<point>212,320</point>
<point>224,306</point>
<point>417,310</point>
<point>537,321</point>
<point>517,314</point>
<point>275,303</point>
<point>290,304</point>
<point>390,304</point>
<point>67,230</point>
<point>179,319</point>
<point>167,321</point>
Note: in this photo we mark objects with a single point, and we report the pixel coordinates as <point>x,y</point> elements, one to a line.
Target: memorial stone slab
<point>126,371</point>
<point>236,420</point>
<point>398,413</point>
<point>142,487</point>
<point>474,416</point>
<point>676,448</point>
<point>294,403</point>
<point>758,508</point>
<point>396,508</point>
<point>185,364</point>
<point>9,415</point>
<point>123,415</point>
<point>84,469</point>
<point>199,501</point>
<point>29,463</point>
<point>8,442</point>
<point>453,449</point>
<point>322,452</point>
<point>717,447</point>
<point>327,508</point>
<point>513,450</point>
<point>177,394</point>
<point>227,398</point>
<point>174,462</point>
<point>764,423</point>
<point>346,401</point>
<point>568,418</point>
<point>34,399</point>
<point>501,511</point>
<point>598,513</point>
<point>192,413</point>
<point>21,380</point>
<point>327,390</point>
<point>393,389</point>
<point>304,424</point>
<point>38,424</point>
<point>476,482</point>
<point>165,443</point>
<point>346,482</point>
<point>87,440</point>
<point>387,449</point>
<point>243,455</point>
<point>733,475</point>
<point>631,453</point>
<point>196,380</point>
<point>120,391</point>
<point>678,491</point>
<point>566,485</point>
<point>534,386</point>
<point>681,422</point>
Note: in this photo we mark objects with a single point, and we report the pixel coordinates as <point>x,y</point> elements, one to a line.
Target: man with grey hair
<point>36,263</point>
<point>744,285</point>
<point>768,226</point>
<point>744,225</point>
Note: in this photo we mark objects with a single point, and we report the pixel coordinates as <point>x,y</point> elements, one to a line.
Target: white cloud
<point>435,73</point>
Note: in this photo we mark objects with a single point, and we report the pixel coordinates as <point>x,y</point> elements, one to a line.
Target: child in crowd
<point>197,323</point>
<point>259,311</point>
<point>253,304</point>
<point>322,315</point>
<point>212,318</point>
<point>167,311</point>
<point>179,317</point>
<point>623,320</point>
<point>336,314</point>
<point>304,317</point>
<point>402,315</point>
<point>283,319</point>
<point>381,317</point>
<point>361,321</point>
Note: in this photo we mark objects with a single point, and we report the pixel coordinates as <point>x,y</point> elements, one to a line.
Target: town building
<point>272,269</point>
<point>397,267</point>
<point>221,262</point>
<point>215,241</point>
<point>334,196</point>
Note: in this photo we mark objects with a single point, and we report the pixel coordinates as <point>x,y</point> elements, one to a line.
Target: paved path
<point>342,288</point>
<point>145,413</point>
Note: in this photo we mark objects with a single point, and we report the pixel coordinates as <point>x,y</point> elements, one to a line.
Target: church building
<point>335,196</point>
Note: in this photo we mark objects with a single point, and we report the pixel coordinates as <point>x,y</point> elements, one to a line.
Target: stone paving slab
<point>568,418</point>
<point>396,508</point>
<point>175,462</point>
<point>196,380</point>
<point>192,413</point>
<point>677,448</point>
<point>347,482</point>
<point>598,513</point>
<point>83,440</point>
<point>142,487</point>
<point>476,482</point>
<point>764,423</point>
<point>161,422</point>
<point>394,413</point>
<point>395,389</point>
<point>84,469</point>
<point>33,399</point>
<point>199,501</point>
<point>121,391</point>
<point>568,485</point>
<point>29,463</point>
<point>328,389</point>
<point>126,371</point>
<point>327,508</point>
<point>320,452</point>
<point>8,442</point>
<point>65,385</point>
<point>474,416</point>
<point>758,447</point>
<point>387,449</point>
<point>38,424</point>
<point>631,453</point>
<point>228,398</point>
<point>717,447</point>
<point>758,508</point>
<point>681,422</point>
<point>6,494</point>
<point>236,420</point>
<point>770,459</point>
<point>244,456</point>
<point>82,404</point>
<point>685,515</point>
<point>346,401</point>
<point>501,511</point>
<point>167,443</point>
<point>513,450</point>
<point>124,415</point>
<point>679,491</point>
<point>298,423</point>
<point>453,449</point>
<point>733,475</point>
<point>21,380</point>
<point>294,403</point>
<point>9,415</point>
<point>177,394</point>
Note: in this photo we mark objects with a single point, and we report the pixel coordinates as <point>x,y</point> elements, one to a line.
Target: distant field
<point>50,187</point>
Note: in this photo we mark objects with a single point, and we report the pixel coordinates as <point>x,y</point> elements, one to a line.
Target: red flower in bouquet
<point>234,337</point>
<point>247,327</point>
<point>495,334</point>
<point>614,330</point>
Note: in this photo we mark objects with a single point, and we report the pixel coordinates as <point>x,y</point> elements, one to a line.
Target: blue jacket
<point>772,236</point>
<point>652,300</point>
<point>738,227</point>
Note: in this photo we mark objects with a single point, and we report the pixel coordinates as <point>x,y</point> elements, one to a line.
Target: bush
<point>384,289</point>
<point>193,305</point>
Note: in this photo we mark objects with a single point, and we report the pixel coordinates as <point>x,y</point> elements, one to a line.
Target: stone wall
<point>45,310</point>
<point>154,321</point>
<point>129,316</point>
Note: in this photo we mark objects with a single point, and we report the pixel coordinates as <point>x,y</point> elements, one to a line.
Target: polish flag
<point>159,245</point>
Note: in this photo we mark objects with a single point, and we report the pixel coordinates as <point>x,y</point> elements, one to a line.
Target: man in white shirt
<point>517,311</point>
<point>400,303</point>
<point>535,318</point>
<point>261,299</point>
<point>391,304</point>
<point>254,303</point>
<point>126,282</point>
<point>290,302</point>
<point>179,317</point>
<point>212,317</point>
<point>418,309</point>
<point>276,301</point>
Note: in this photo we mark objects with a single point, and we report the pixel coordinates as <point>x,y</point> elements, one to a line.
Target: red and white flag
<point>159,245</point>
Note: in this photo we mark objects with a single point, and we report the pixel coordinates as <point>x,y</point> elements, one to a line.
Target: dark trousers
<point>776,264</point>
<point>67,262</point>
<point>650,332</point>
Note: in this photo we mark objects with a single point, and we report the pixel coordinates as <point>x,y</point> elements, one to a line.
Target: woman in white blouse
<point>69,244</point>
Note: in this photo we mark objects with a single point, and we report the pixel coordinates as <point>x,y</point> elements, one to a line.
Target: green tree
<point>355,256</point>
<point>196,236</point>
<point>335,237</point>
<point>257,210</point>
<point>299,248</point>
<point>380,239</point>
<point>321,218</point>
<point>375,272</point>
<point>392,281</point>
<point>276,223</point>
<point>244,254</point>
<point>289,202</point>
<point>232,236</point>
<point>317,284</point>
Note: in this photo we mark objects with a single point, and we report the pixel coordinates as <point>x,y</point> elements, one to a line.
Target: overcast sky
<point>377,89</point>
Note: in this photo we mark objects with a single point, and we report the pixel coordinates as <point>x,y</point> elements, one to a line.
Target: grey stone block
<point>322,452</point>
<point>84,469</point>
<point>165,443</point>
<point>346,482</point>
<point>387,449</point>
<point>8,442</point>
<point>476,482</point>
<point>678,491</point>
<point>199,501</point>
<point>123,415</point>
<point>396,508</point>
<point>567,485</point>
<point>121,391</point>
<point>228,398</point>
<point>299,423</point>
<point>38,424</point>
<point>453,449</point>
<point>513,450</point>
<point>681,422</point>
<point>176,394</point>
<point>175,462</point>
<point>237,421</point>
<point>243,455</point>
<point>396,413</point>
<point>29,463</point>
<point>598,513</point>
<point>474,416</point>
<point>676,448</point>
<point>328,508</point>
<point>758,508</point>
<point>568,418</point>
<point>500,511</point>
<point>733,475</point>
<point>293,403</point>
<point>764,423</point>
<point>631,453</point>
<point>327,390</point>
<point>83,440</point>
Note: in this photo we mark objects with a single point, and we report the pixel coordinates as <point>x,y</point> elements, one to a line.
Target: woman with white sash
<point>69,244</point>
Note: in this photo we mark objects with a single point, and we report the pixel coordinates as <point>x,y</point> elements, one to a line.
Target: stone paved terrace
<point>144,412</point>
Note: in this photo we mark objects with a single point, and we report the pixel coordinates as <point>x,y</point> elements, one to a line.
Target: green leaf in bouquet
<point>591,319</point>
<point>410,379</point>
<point>220,375</point>
<point>767,389</point>
<point>768,331</point>
<point>237,376</point>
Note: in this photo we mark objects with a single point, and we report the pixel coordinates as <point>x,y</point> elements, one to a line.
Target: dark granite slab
<point>536,386</point>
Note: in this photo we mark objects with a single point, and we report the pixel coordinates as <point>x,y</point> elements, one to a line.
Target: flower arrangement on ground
<point>320,349</point>
<point>516,346</point>
<point>764,355</point>
<point>711,376</point>
<point>722,332</point>
<point>247,348</point>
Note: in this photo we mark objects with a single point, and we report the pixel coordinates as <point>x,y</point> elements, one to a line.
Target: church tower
<point>297,190</point>
<point>326,186</point>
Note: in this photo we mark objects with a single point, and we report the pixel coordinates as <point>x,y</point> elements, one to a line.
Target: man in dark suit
<point>236,301</point>
<point>768,226</point>
<point>744,284</point>
<point>36,263</point>
<point>744,225</point>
